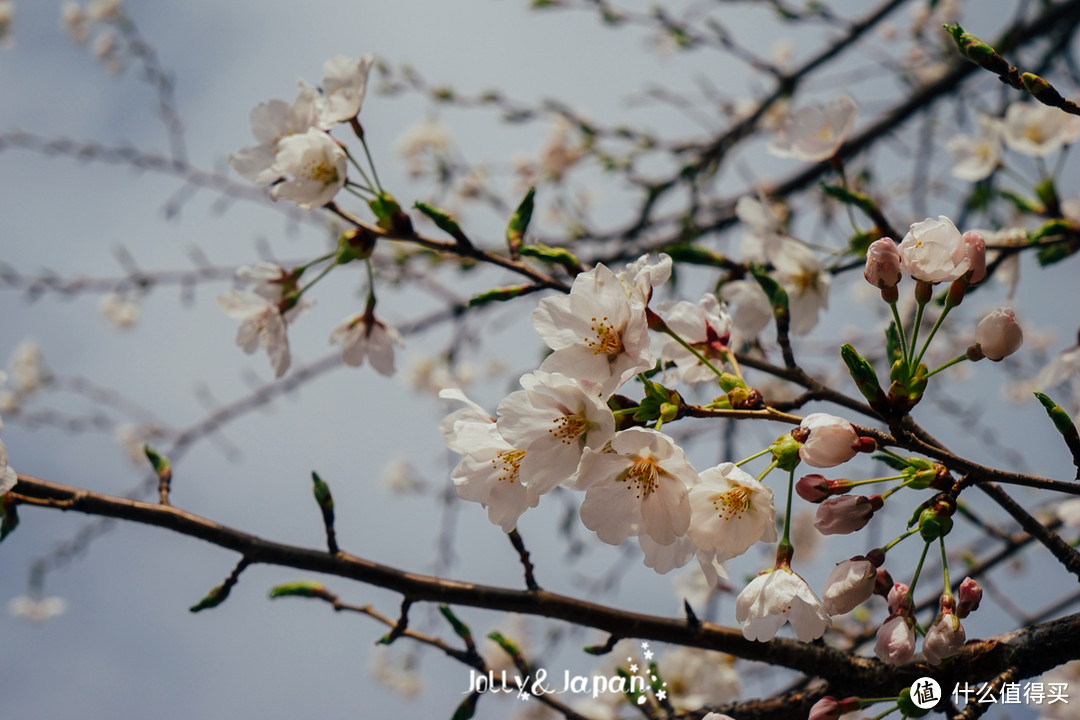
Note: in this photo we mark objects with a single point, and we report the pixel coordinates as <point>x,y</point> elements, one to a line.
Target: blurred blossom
<point>974,158</point>
<point>804,278</point>
<point>1037,130</point>
<point>132,441</point>
<point>399,675</point>
<point>106,48</point>
<point>7,22</point>
<point>118,310</point>
<point>74,22</point>
<point>28,372</point>
<point>427,137</point>
<point>400,478</point>
<point>816,132</point>
<point>103,10</point>
<point>693,586</point>
<point>262,325</point>
<point>752,312</point>
<point>36,609</point>
<point>363,336</point>
<point>697,677</point>
<point>1067,675</point>
<point>558,155</point>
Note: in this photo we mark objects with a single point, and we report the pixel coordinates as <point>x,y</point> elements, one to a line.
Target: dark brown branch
<point>523,555</point>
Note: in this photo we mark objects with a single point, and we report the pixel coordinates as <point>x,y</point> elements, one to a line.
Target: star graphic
<point>633,668</point>
<point>648,654</point>
<point>644,646</point>
<point>661,695</point>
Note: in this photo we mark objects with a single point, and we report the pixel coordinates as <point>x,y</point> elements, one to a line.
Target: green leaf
<point>467,708</point>
<point>213,598</point>
<point>301,588</point>
<point>519,221</point>
<point>498,295</point>
<point>460,629</point>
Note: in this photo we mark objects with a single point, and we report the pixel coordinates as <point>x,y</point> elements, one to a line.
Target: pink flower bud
<point>882,263</point>
<point>998,335</point>
<point>813,488</point>
<point>970,595</point>
<point>944,639</point>
<point>829,440</point>
<point>883,584</point>
<point>897,597</point>
<point>976,252</point>
<point>895,640</point>
<point>843,515</point>
<point>850,584</point>
<point>829,708</point>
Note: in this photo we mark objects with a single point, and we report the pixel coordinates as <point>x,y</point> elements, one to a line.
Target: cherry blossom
<point>730,511</point>
<point>271,122</point>
<point>882,263</point>
<point>489,471</point>
<point>262,326</point>
<point>828,441</point>
<point>779,596</point>
<point>554,418</point>
<point>752,312</point>
<point>364,336</point>
<point>8,476</point>
<point>1037,130</point>
<point>850,584</point>
<point>803,276</point>
<point>934,251</point>
<point>896,639</point>
<point>816,132</point>
<point>343,87</point>
<point>969,595</point>
<point>597,332</point>
<point>317,166</point>
<point>846,514</point>
<point>641,276</point>
<point>974,158</point>
<point>638,484</point>
<point>998,335</point>
<point>706,326</point>
<point>944,638</point>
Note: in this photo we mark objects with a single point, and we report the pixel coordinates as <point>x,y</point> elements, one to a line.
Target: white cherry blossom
<point>262,326</point>
<point>752,311</point>
<point>363,336</point>
<point>816,132</point>
<point>804,279</point>
<point>829,442</point>
<point>1037,130</point>
<point>776,597</point>
<point>554,418</point>
<point>707,327</point>
<point>638,484</point>
<point>730,511</point>
<point>850,584</point>
<point>271,122</point>
<point>999,335</point>
<point>597,332</point>
<point>8,476</point>
<point>974,158</point>
<point>36,609</point>
<point>343,87</point>
<point>317,165</point>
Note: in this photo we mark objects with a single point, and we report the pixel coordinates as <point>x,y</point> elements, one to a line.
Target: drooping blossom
<point>1037,130</point>
<point>975,158</point>
<point>934,251</point>
<point>365,336</point>
<point>816,132</point>
<point>271,122</point>
<point>343,87</point>
<point>850,584</point>
<point>638,484</point>
<point>705,326</point>
<point>261,326</point>
<point>489,471</point>
<point>779,596</point>
<point>829,440</point>
<point>845,514</point>
<point>752,311</point>
<point>554,418</point>
<point>315,167</point>
<point>597,331</point>
<point>804,279</point>
<point>969,595</point>
<point>896,639</point>
<point>730,511</point>
<point>998,335</point>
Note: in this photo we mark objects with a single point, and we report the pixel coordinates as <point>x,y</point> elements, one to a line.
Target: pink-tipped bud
<point>883,263</point>
<point>897,597</point>
<point>815,488</point>
<point>998,335</point>
<point>850,584</point>
<point>944,639</point>
<point>826,440</point>
<point>883,583</point>
<point>843,515</point>
<point>829,708</point>
<point>976,252</point>
<point>970,595</point>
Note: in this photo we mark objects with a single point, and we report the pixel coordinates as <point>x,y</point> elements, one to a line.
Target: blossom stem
<point>898,539</point>
<point>899,329</point>
<point>926,345</point>
<point>945,567</point>
<point>914,337</point>
<point>838,164</point>
<point>1060,164</point>
<point>915,578</point>
<point>360,167</point>
<point>787,510</point>
<point>354,188</point>
<point>371,163</point>
<point>301,269</point>
<point>901,486</point>
<point>954,361</point>
<point>693,351</point>
<point>752,457</point>
<point>857,483</point>
<point>768,470</point>
<point>322,273</point>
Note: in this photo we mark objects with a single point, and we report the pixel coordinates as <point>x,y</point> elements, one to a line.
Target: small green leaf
<point>301,588</point>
